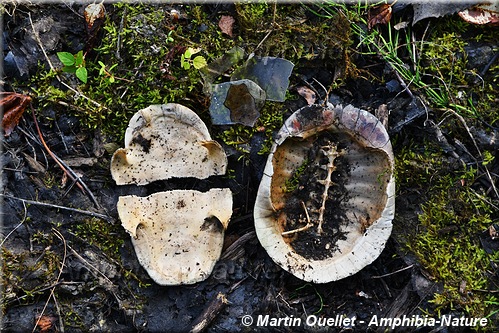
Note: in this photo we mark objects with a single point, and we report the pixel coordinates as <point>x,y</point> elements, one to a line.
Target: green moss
<point>104,235</point>
<point>445,67</point>
<point>419,165</point>
<point>448,246</point>
<point>292,183</point>
<point>445,238</point>
<point>28,274</point>
<point>286,31</point>
<point>142,39</point>
<point>239,136</point>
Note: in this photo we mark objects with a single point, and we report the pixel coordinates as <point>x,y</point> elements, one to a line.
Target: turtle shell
<point>326,201</point>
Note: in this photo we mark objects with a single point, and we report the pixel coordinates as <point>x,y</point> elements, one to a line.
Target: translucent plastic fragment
<point>270,73</point>
<point>236,102</point>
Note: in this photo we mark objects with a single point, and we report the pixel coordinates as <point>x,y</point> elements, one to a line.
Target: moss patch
<point>446,241</point>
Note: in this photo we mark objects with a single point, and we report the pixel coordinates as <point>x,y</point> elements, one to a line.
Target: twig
<point>58,309</point>
<point>261,42</point>
<point>58,283</point>
<point>61,237</point>
<point>17,226</point>
<point>209,313</point>
<point>38,203</point>
<point>232,252</point>
<point>107,283</point>
<point>461,119</point>
<point>326,100</point>
<point>63,165</point>
<point>388,274</point>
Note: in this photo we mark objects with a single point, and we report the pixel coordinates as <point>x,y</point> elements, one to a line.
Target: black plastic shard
<point>270,73</point>
<point>236,102</point>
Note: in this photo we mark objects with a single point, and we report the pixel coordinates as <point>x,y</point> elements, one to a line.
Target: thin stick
<point>61,237</point>
<point>83,187</point>
<point>388,274</point>
<point>461,119</point>
<point>17,226</point>
<point>209,313</point>
<point>38,203</point>
<point>264,38</point>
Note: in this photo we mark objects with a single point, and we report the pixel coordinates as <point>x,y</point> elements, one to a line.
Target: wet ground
<point>70,266</point>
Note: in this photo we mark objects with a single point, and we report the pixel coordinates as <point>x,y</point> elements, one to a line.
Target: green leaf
<point>191,51</point>
<point>186,65</point>
<point>79,59</point>
<point>199,62</point>
<point>188,53</point>
<point>69,69</point>
<point>81,73</point>
<point>66,58</point>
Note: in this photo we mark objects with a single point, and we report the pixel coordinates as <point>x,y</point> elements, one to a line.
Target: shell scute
<point>336,217</point>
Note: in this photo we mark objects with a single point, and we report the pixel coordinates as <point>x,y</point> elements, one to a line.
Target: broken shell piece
<point>177,235</point>
<point>236,102</point>
<point>165,141</point>
<point>270,73</point>
<point>325,205</point>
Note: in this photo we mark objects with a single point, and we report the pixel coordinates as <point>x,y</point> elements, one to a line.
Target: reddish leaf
<point>226,22</point>
<point>165,65</point>
<point>379,15</point>
<point>46,323</point>
<point>13,106</point>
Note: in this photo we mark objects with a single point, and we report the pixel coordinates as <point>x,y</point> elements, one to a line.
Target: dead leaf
<point>46,323</point>
<point>379,15</point>
<point>165,65</point>
<point>482,14</point>
<point>13,106</point>
<point>94,17</point>
<point>92,13</point>
<point>226,22</point>
<point>308,94</point>
<point>401,25</point>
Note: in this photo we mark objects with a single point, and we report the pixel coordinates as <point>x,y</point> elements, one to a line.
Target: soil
<point>310,190</point>
<point>58,275</point>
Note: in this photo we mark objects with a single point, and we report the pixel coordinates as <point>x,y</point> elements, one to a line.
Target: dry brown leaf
<point>379,15</point>
<point>46,323</point>
<point>482,14</point>
<point>308,94</point>
<point>92,13</point>
<point>226,22</point>
<point>13,106</point>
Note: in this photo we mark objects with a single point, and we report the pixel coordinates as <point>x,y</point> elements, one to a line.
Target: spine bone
<point>331,152</point>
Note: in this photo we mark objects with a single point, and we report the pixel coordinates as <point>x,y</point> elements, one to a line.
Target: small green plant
<point>169,38</point>
<point>74,63</point>
<point>106,72</point>
<point>292,183</point>
<point>197,62</point>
